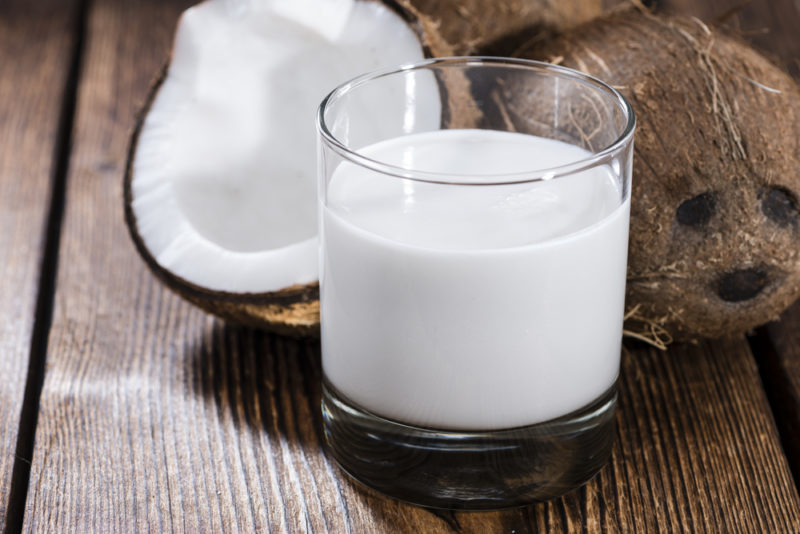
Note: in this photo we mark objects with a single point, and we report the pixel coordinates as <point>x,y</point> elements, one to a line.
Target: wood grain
<point>779,357</point>
<point>36,43</point>
<point>154,416</point>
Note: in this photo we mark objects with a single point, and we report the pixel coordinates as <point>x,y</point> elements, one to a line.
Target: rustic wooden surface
<point>778,345</point>
<point>154,416</point>
<point>30,117</point>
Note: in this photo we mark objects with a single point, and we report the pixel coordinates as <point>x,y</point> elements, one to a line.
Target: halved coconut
<point>220,187</point>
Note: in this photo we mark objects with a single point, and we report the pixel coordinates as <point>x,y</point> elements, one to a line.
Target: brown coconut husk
<point>715,236</point>
<point>493,27</point>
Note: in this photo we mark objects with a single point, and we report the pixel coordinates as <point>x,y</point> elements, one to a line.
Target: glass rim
<point>532,175</point>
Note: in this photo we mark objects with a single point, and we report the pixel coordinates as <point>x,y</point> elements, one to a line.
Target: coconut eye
<point>743,284</point>
<point>779,206</point>
<point>697,210</point>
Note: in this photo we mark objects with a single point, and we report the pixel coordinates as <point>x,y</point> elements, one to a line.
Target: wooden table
<point>122,408</point>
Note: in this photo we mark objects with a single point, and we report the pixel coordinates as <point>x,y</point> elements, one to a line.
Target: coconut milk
<point>472,307</point>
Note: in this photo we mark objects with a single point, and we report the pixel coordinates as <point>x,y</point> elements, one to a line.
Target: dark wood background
<point>123,409</point>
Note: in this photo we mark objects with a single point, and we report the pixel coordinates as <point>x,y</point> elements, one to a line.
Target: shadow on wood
<point>268,382</point>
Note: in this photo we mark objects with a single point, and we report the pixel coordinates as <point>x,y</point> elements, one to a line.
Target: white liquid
<point>472,307</point>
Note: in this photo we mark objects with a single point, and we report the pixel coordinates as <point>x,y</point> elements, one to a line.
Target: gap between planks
<point>23,455</point>
<point>782,397</point>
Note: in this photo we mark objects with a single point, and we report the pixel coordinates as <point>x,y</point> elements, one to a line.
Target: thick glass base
<point>477,470</point>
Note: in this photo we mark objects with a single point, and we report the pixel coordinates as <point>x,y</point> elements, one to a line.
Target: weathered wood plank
<point>155,416</point>
<point>696,451</point>
<point>779,344</point>
<point>36,45</point>
<point>707,441</point>
<point>226,436</point>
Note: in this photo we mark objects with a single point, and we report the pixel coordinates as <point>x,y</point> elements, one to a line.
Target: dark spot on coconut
<point>779,205</point>
<point>697,210</point>
<point>743,284</point>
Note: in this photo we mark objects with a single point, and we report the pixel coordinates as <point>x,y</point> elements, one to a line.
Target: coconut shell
<point>492,27</point>
<point>715,236</point>
<point>294,310</point>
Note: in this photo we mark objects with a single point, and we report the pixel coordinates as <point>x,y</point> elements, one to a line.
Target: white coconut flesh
<point>223,182</point>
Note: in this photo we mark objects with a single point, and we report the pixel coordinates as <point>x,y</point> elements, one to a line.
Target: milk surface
<point>472,307</point>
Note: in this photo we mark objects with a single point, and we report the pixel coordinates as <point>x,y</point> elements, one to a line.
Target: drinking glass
<point>474,230</point>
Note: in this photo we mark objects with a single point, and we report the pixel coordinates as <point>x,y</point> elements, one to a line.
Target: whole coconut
<point>715,239</point>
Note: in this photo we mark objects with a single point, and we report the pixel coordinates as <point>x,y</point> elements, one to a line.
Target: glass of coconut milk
<point>474,231</point>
